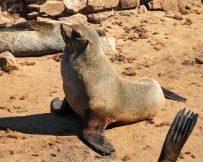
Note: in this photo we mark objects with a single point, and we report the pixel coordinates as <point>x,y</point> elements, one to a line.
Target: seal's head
<point>79,37</point>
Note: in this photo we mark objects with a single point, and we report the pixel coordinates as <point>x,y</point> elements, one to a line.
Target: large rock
<point>168,5</point>
<point>74,6</point>
<point>75,19</point>
<point>129,3</point>
<point>52,8</point>
<point>94,5</point>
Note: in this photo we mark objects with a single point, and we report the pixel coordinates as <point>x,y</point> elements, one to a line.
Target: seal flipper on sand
<point>180,130</point>
<point>93,133</point>
<point>173,96</point>
<point>61,107</point>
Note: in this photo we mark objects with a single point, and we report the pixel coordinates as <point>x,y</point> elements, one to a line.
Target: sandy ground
<point>165,46</point>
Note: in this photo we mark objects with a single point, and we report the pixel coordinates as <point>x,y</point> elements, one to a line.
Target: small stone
<point>32,15</point>
<point>127,12</point>
<point>98,17</point>
<point>108,45</point>
<point>141,9</point>
<point>8,60</point>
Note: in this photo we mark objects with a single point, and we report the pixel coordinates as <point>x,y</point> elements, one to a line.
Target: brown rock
<point>8,60</point>
<point>75,19</point>
<point>98,17</point>
<point>32,15</point>
<point>108,45</point>
<point>94,5</point>
<point>5,19</point>
<point>129,3</point>
<point>43,19</point>
<point>141,9</point>
<point>32,7</point>
<point>74,6</point>
<point>52,8</point>
<point>168,5</point>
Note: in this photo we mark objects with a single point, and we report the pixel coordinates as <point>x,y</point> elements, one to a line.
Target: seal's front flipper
<point>61,107</point>
<point>173,96</point>
<point>180,130</point>
<point>93,133</point>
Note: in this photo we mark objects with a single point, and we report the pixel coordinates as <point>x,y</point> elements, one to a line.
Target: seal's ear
<point>65,32</point>
<point>179,132</point>
<point>100,32</point>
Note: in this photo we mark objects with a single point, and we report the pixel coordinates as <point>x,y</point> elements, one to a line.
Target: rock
<point>75,19</point>
<point>19,20</point>
<point>52,8</point>
<point>94,5</point>
<point>8,60</point>
<point>141,9</point>
<point>129,3</point>
<point>108,45</point>
<point>32,7</point>
<point>156,4</point>
<point>32,15</point>
<point>127,12</point>
<point>98,17</point>
<point>5,19</point>
<point>43,19</point>
<point>168,5</point>
<point>74,6</point>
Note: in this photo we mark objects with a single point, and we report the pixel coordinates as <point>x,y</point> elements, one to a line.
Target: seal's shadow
<point>44,124</point>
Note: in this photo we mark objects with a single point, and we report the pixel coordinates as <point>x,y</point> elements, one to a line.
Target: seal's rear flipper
<point>60,107</point>
<point>180,130</point>
<point>173,96</point>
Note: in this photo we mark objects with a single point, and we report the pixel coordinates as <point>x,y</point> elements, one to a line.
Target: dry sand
<point>165,46</point>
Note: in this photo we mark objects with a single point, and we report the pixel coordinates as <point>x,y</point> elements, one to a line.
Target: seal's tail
<point>173,96</point>
<point>180,130</point>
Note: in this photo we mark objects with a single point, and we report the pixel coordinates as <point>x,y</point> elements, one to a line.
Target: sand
<point>163,45</point>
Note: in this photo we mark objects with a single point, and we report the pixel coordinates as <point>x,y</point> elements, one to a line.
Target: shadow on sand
<point>44,124</point>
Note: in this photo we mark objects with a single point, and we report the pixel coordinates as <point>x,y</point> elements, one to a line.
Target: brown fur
<point>32,38</point>
<point>95,92</point>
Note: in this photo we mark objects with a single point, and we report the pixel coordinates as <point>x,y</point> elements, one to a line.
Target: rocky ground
<point>167,46</point>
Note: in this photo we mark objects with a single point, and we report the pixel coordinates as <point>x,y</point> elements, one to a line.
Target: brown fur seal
<point>94,90</point>
<point>32,38</point>
<point>36,38</point>
<point>180,130</point>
